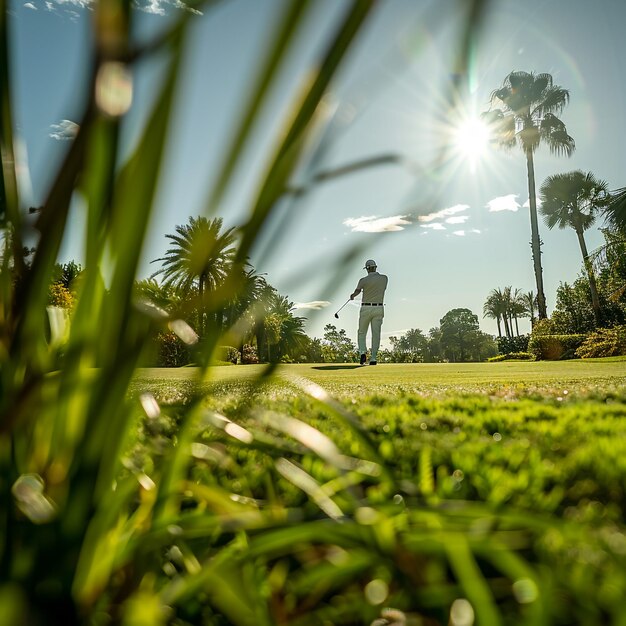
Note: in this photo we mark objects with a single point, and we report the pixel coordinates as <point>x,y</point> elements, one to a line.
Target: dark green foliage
<point>554,347</point>
<point>461,340</point>
<point>337,347</point>
<point>507,345</point>
<point>169,351</point>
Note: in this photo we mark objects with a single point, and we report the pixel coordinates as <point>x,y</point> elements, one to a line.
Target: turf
<point>345,380</point>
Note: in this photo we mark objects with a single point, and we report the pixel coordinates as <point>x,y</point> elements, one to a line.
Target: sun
<point>472,138</point>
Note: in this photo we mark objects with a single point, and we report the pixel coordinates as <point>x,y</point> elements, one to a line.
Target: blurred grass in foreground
<point>116,510</point>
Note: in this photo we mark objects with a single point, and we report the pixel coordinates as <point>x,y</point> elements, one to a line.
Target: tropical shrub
<point>169,351</point>
<point>249,355</point>
<point>229,354</point>
<point>604,342</point>
<point>554,347</point>
<point>507,345</point>
<point>512,356</point>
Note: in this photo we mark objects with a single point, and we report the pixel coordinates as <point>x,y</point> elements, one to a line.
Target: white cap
<point>370,263</point>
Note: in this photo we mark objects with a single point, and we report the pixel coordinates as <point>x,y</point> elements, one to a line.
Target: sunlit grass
<point>260,495</point>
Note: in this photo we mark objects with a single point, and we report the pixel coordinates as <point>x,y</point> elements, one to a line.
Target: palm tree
<point>493,309</point>
<point>517,307</point>
<point>572,200</point>
<point>529,302</point>
<point>615,210</point>
<point>284,330</point>
<point>531,103</point>
<point>200,257</point>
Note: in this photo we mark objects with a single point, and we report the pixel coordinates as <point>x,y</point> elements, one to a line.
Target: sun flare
<point>472,138</point>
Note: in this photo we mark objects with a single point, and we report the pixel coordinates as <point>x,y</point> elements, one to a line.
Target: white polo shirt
<point>373,286</point>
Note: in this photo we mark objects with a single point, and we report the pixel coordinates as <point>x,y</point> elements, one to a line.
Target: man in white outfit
<point>372,310</point>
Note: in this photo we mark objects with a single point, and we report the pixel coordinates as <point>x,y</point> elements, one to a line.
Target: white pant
<point>370,315</point>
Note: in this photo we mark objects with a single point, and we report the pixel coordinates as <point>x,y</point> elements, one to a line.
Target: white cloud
<point>438,215</point>
<point>435,226</point>
<point>154,7</point>
<point>459,233</point>
<point>64,130</point>
<point>375,224</point>
<point>30,5</point>
<point>314,305</point>
<point>459,219</point>
<point>504,203</point>
<point>475,230</point>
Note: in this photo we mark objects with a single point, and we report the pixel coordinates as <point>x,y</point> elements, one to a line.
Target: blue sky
<point>449,235</point>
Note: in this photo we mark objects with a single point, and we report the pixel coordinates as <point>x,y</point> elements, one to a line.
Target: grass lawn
<point>502,483</point>
<point>348,379</point>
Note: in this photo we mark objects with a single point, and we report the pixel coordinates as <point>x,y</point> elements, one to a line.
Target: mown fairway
<point>582,376</point>
<point>501,483</point>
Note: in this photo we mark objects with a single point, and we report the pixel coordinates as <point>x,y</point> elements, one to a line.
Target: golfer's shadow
<point>336,367</point>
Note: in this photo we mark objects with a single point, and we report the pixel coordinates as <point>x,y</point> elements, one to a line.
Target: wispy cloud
<point>30,5</point>
<point>504,203</point>
<point>64,130</point>
<point>459,233</point>
<point>434,226</point>
<point>375,224</point>
<point>444,213</point>
<point>154,7</point>
<point>458,219</point>
<point>314,305</point>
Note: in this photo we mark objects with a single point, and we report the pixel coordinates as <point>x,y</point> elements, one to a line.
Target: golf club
<point>344,304</point>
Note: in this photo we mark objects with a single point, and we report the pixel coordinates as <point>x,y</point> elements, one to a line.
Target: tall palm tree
<point>199,257</point>
<point>531,103</point>
<point>573,200</point>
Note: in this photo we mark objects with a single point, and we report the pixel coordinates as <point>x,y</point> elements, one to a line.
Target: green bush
<point>554,347</point>
<point>604,342</point>
<point>508,345</point>
<point>249,355</point>
<point>230,354</point>
<point>170,351</point>
<point>512,356</point>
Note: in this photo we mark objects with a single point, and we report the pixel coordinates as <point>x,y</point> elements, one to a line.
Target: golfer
<point>372,311</point>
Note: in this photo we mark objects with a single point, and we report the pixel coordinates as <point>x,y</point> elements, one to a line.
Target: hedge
<point>555,347</point>
<point>509,345</point>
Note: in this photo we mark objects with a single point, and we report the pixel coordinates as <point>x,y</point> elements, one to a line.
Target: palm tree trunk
<point>516,327</point>
<point>595,300</point>
<point>499,329</point>
<point>535,242</point>
<point>507,330</point>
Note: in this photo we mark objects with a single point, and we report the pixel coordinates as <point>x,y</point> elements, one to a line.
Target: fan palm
<point>573,200</point>
<point>615,210</point>
<point>199,257</point>
<point>531,103</point>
